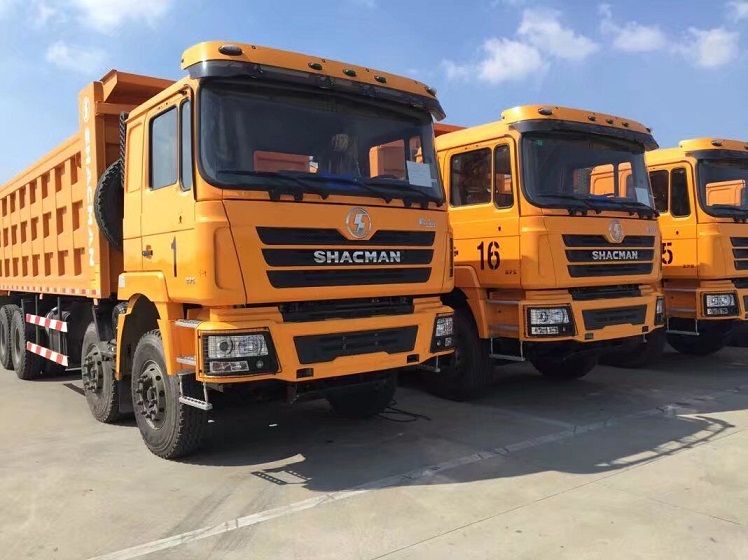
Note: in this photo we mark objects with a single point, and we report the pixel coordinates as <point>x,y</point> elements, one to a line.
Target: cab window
<point>660,185</point>
<point>503,194</point>
<point>163,150</point>
<point>470,178</point>
<point>680,205</point>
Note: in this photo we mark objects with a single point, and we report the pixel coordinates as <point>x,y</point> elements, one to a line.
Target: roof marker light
<point>593,118</point>
<point>717,143</point>
<point>624,123</point>
<point>431,90</point>
<point>609,121</point>
<point>315,66</point>
<point>230,50</point>
<point>545,111</point>
<point>381,79</point>
<point>349,72</point>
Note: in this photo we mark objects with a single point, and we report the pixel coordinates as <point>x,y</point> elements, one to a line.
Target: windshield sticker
<point>419,174</point>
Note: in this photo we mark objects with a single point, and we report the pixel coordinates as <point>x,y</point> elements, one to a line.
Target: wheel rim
<point>92,370</point>
<point>150,395</point>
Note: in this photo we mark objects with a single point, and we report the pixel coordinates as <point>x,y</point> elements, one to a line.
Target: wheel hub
<point>150,395</point>
<point>92,371</point>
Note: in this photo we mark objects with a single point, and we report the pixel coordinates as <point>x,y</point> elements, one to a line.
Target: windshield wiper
<point>401,184</point>
<point>294,186</point>
<point>319,178</point>
<point>643,210</point>
<point>586,204</point>
<point>737,213</point>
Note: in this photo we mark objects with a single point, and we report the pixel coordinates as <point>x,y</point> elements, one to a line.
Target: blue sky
<point>679,66</point>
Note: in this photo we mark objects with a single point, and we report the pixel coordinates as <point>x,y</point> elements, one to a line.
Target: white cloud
<point>738,9</point>
<point>43,12</point>
<point>631,36</point>
<point>107,16</point>
<point>543,29</point>
<point>710,48</point>
<point>77,59</point>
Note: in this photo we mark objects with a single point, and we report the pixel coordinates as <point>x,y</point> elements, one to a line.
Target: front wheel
<point>468,369</point>
<point>99,385</point>
<point>702,345</point>
<point>170,428</point>
<point>363,401</point>
<point>565,369</point>
<point>642,354</point>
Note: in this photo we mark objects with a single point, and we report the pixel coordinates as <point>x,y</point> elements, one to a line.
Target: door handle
<point>148,253</point>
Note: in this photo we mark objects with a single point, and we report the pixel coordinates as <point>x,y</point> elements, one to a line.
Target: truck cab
<point>700,191</point>
<point>556,241</point>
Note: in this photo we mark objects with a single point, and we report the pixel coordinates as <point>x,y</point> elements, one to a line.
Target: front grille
<point>601,241</point>
<point>300,312</point>
<point>745,304</point>
<point>605,292</point>
<point>326,347</point>
<point>320,236</point>
<point>346,277</point>
<point>633,256</point>
<point>739,241</point>
<point>596,319</point>
<point>597,270</point>
<point>740,283</point>
<point>313,257</point>
<point>740,252</point>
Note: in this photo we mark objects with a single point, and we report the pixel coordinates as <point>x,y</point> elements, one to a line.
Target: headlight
<point>239,354</point>
<point>444,326</point>
<point>660,311</point>
<point>443,337</point>
<point>720,300</point>
<point>242,346</point>
<point>720,304</point>
<point>549,321</point>
<point>549,316</point>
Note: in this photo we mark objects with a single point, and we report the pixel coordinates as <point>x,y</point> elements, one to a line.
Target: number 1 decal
<point>174,248</point>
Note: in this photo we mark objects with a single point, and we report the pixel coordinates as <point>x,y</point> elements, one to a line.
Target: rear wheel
<point>6,317</point>
<point>702,345</point>
<point>26,364</point>
<point>560,369</point>
<point>363,401</point>
<point>467,370</point>
<point>642,354</point>
<point>97,371</point>
<point>170,429</point>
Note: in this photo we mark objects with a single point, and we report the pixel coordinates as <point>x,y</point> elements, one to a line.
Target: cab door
<point>483,211</point>
<point>672,188</point>
<point>168,202</point>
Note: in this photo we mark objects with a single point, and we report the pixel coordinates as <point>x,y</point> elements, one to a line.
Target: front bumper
<point>312,350</point>
<point>594,320</point>
<point>687,302</point>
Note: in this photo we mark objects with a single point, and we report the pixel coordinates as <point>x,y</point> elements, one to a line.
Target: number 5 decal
<point>491,255</point>
<point>667,252</point>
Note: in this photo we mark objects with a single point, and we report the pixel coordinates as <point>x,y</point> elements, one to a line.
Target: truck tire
<point>109,204</point>
<point>99,385</point>
<point>643,354</point>
<point>470,367</point>
<point>170,429</point>
<point>574,367</point>
<point>26,364</point>
<point>6,317</point>
<point>363,401</point>
<point>702,345</point>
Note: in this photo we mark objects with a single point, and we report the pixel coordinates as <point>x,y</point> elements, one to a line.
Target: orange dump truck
<point>236,227</point>
<point>700,191</point>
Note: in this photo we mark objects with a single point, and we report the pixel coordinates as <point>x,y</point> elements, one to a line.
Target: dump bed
<point>49,239</point>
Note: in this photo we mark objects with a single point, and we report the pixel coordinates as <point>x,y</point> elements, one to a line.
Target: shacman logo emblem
<point>358,223</point>
<point>615,231</point>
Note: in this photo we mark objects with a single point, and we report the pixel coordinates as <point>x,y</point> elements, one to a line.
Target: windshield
<point>722,184</point>
<point>279,139</point>
<point>584,172</point>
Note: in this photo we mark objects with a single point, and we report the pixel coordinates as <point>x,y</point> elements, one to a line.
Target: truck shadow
<point>611,420</point>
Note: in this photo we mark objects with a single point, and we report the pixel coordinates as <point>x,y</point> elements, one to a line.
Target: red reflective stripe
<point>47,353</point>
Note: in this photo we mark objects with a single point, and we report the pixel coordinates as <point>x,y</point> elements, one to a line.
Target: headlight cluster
<point>720,304</point>
<point>660,311</point>
<point>239,354</point>
<point>550,321</point>
<point>443,338</point>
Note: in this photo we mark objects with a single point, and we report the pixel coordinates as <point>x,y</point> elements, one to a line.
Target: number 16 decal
<point>489,254</point>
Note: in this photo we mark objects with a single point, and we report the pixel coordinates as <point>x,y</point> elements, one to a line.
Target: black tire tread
<point>191,423</point>
<point>109,204</point>
<point>31,364</point>
<point>703,345</point>
<point>565,369</point>
<point>644,354</point>
<point>6,315</point>
<point>109,413</point>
